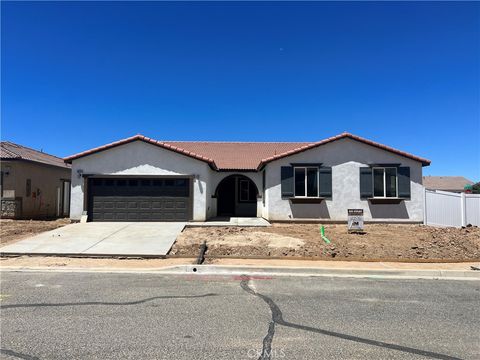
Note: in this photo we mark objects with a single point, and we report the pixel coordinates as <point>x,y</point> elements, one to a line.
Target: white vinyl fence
<point>443,208</point>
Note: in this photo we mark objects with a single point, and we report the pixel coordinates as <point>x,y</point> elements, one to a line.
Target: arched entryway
<point>237,196</point>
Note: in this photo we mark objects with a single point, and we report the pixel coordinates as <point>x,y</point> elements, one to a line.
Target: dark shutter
<point>287,181</point>
<point>366,186</point>
<point>325,174</point>
<point>403,174</point>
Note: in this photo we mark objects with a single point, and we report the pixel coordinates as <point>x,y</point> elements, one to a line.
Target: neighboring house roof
<point>446,182</point>
<point>12,151</point>
<point>241,155</point>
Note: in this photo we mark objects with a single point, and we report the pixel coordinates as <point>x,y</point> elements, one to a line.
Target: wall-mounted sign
<point>355,220</point>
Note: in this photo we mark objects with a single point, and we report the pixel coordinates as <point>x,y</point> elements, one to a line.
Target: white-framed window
<point>385,182</point>
<point>306,181</point>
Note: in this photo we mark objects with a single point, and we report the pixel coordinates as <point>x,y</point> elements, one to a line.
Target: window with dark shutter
<point>403,174</point>
<point>287,181</point>
<point>325,181</point>
<point>366,186</point>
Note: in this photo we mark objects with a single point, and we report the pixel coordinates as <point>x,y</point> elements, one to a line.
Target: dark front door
<point>226,197</point>
<point>140,199</point>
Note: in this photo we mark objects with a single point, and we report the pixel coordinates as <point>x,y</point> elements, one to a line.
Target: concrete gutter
<point>338,272</point>
<point>226,270</point>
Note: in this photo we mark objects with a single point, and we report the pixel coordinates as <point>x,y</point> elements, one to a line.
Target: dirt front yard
<point>379,242</point>
<point>14,230</point>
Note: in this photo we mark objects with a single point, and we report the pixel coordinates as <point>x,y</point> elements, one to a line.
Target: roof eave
<point>65,166</point>
<point>163,145</point>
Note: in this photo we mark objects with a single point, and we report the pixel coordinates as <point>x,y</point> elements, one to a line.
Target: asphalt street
<point>58,315</point>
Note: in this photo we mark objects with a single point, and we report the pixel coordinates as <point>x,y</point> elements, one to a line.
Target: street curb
<point>304,271</point>
<point>270,271</point>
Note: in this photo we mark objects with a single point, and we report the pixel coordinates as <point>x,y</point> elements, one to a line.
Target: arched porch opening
<point>237,196</point>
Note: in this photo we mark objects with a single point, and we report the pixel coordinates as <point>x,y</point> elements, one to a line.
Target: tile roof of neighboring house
<point>446,182</point>
<point>11,151</point>
<point>241,155</point>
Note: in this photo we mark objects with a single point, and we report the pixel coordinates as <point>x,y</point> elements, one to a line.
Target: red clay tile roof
<point>240,155</point>
<point>11,151</point>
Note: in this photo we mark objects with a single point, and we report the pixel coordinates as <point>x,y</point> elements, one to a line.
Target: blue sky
<point>78,75</point>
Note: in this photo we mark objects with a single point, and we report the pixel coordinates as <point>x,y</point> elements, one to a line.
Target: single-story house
<point>33,185</point>
<point>141,179</point>
<point>446,183</point>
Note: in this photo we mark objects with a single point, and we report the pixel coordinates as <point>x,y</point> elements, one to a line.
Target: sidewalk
<point>337,264</point>
<point>66,263</point>
<point>250,267</point>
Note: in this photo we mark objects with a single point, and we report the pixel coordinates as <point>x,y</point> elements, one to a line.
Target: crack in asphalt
<point>277,319</point>
<point>104,303</point>
<point>18,355</point>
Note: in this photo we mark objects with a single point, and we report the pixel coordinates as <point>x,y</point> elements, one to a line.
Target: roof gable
<point>148,140</point>
<point>425,162</point>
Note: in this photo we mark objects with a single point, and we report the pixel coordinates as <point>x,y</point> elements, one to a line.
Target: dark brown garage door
<point>139,199</point>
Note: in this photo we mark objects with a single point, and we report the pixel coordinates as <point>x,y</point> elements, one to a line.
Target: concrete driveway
<point>102,238</point>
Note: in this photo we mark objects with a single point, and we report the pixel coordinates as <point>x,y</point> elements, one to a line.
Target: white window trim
<point>385,182</point>
<point>248,190</point>
<point>295,183</point>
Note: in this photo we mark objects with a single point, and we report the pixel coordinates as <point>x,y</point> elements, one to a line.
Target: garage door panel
<point>116,199</point>
<point>169,204</point>
<point>121,216</point>
<point>157,216</point>
<point>121,205</point>
<point>106,216</point>
<point>145,205</point>
<point>169,216</point>
<point>145,216</point>
<point>156,205</point>
<point>181,204</point>
<point>108,205</point>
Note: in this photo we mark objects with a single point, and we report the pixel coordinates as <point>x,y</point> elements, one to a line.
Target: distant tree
<point>476,188</point>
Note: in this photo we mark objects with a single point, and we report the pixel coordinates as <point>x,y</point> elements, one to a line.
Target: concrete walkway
<point>102,238</point>
<point>233,221</point>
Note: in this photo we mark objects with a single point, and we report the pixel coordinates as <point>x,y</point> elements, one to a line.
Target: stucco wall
<point>345,156</point>
<point>45,180</point>
<point>140,158</point>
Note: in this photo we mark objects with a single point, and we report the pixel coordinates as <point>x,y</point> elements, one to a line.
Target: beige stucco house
<point>34,185</point>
